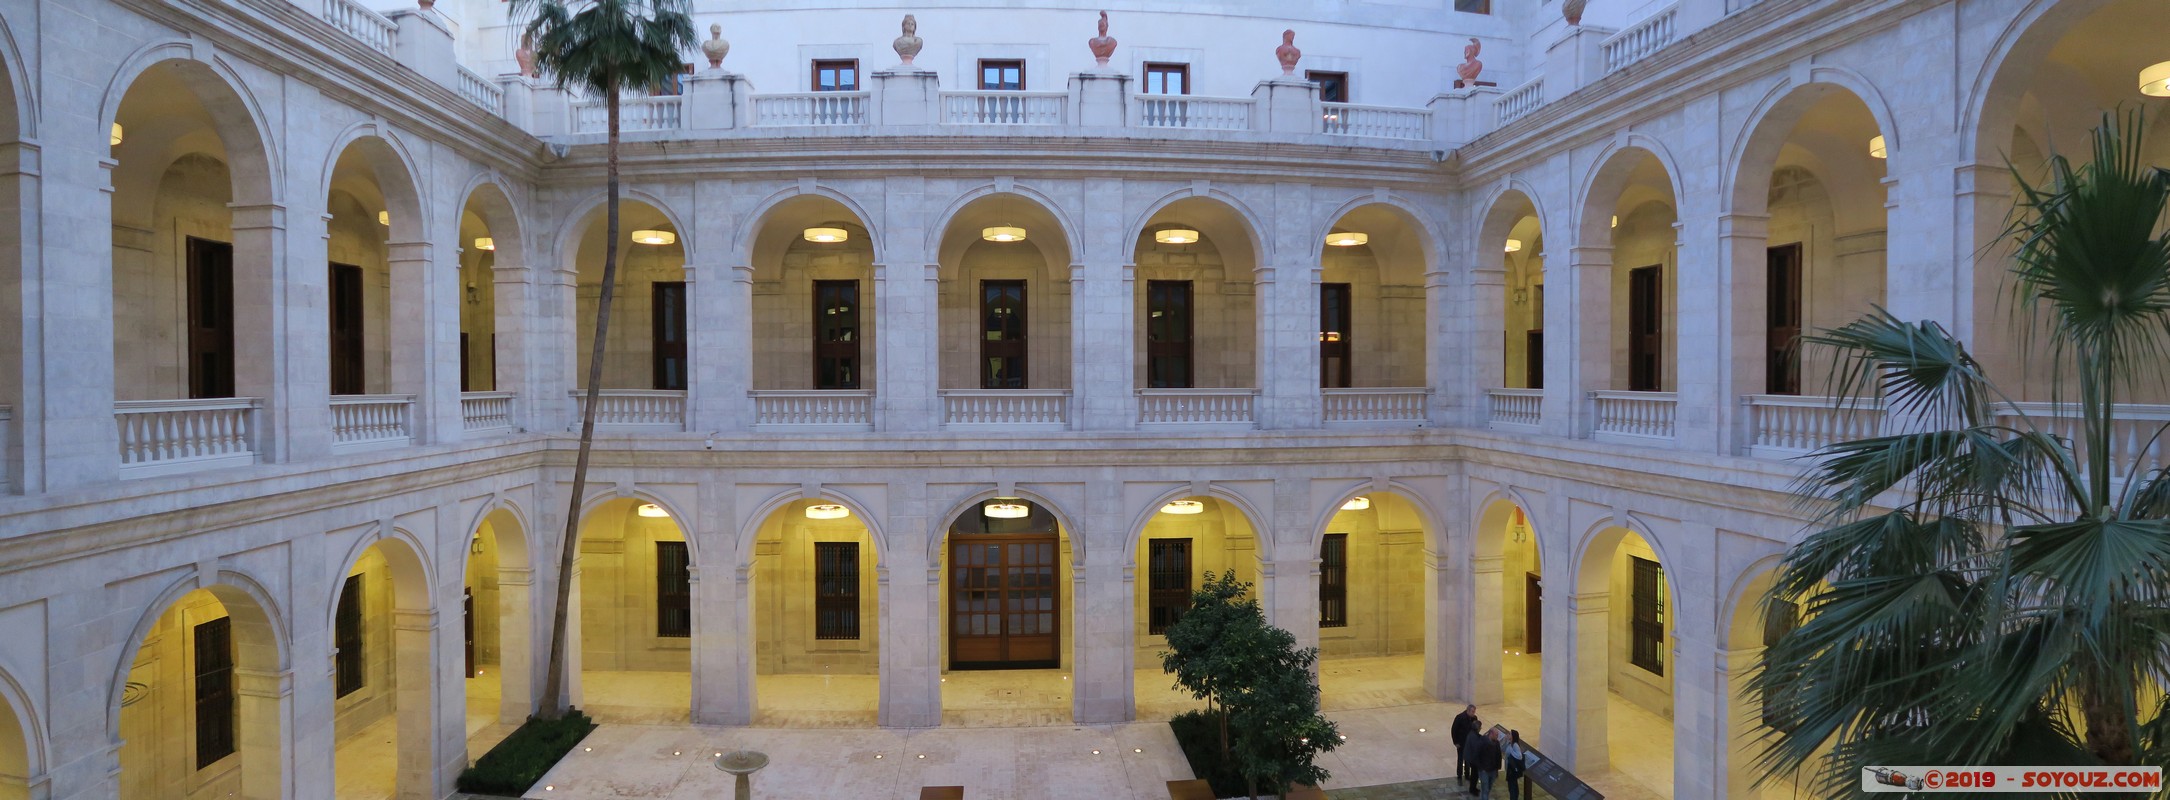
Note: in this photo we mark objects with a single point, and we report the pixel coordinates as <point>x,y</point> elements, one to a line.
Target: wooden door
<point>467,603</point>
<point>1003,602</point>
<point>1646,332</point>
<point>1334,340</point>
<point>1002,335</point>
<point>1781,355</point>
<point>210,318</point>
<point>667,334</point>
<point>346,329</point>
<point>1168,335</point>
<point>836,334</point>
<point>1533,613</point>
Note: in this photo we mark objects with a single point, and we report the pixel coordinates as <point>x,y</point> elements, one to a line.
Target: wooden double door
<point>1004,607</point>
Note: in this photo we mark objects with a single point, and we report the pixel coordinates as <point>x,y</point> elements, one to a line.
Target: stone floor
<point>363,764</point>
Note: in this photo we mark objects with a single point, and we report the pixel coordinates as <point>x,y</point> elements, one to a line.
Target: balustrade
<point>483,91</point>
<point>486,412</point>
<point>1639,40</point>
<point>1783,426</point>
<point>1515,408</point>
<point>163,437</point>
<point>1196,406</point>
<point>662,410</point>
<point>1004,108</point>
<point>371,421</point>
<point>810,108</point>
<point>1196,113</point>
<point>372,28</point>
<point>814,408</point>
<point>1038,408</point>
<point>7,430</point>
<point>1520,101</point>
<point>2134,448</point>
<point>1390,405</point>
<point>1380,122</point>
<point>1634,415</point>
<point>634,114</point>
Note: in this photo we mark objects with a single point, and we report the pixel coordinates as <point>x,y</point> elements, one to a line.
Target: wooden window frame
<point>1186,348</point>
<point>1646,619</point>
<point>667,334</point>
<point>1348,90</point>
<point>676,85</point>
<point>1168,583</point>
<point>217,712</point>
<point>1001,63</point>
<point>674,591</point>
<point>350,667</point>
<point>837,610</point>
<point>1017,351</point>
<point>1646,328</point>
<point>1473,6</point>
<point>1336,300</point>
<point>1334,581</point>
<point>814,77</point>
<point>845,350</point>
<point>1160,68</point>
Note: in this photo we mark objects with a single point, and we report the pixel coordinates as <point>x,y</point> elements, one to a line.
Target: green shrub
<point>1199,733</point>
<point>521,759</point>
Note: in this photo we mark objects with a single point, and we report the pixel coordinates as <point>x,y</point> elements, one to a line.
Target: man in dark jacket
<point>1472,751</point>
<point>1458,736</point>
<point>1487,758</point>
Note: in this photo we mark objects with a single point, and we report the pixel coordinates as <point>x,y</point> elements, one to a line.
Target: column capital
<point>1485,564</point>
<point>1756,226</point>
<point>258,215</point>
<point>1588,256</point>
<point>410,251</point>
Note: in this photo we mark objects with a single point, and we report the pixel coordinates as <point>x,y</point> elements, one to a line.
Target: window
<point>1533,366</point>
<point>676,84</point>
<point>836,75</point>
<point>1781,361</point>
<point>348,667</point>
<point>1334,581</point>
<point>1473,6</point>
<point>836,590</point>
<point>215,712</point>
<point>1002,334</point>
<point>346,328</point>
<point>1781,618</point>
<point>210,318</point>
<point>1002,75</point>
<point>836,334</point>
<point>1334,336</point>
<point>1167,78</point>
<point>668,316</point>
<point>1333,86</point>
<point>1648,649</point>
<point>1646,332</point>
<point>1168,593</point>
<point>674,592</point>
<point>1168,334</point>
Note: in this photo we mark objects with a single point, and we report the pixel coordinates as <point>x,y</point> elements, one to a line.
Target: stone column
<point>1288,347</point>
<point>518,329</point>
<point>1576,671</point>
<point>1288,591</point>
<point>1486,684</point>
<point>1581,361</point>
<point>424,339</point>
<point>907,368</point>
<point>280,346</point>
<point>1702,385</point>
<point>1100,644</point>
<point>1446,629</point>
<point>911,653</point>
<point>1103,330</point>
<point>66,387</point>
<point>426,727</point>
<point>1734,772</point>
<point>517,664</point>
<point>719,323</point>
<point>266,728</point>
<point>553,349</point>
<point>1743,242</point>
<point>1478,317</point>
<point>723,623</point>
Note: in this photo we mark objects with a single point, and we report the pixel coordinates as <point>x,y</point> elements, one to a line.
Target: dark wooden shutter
<point>1646,334</point>
<point>210,318</point>
<point>1003,351</point>
<point>1168,573</point>
<point>836,334</point>
<point>669,334</point>
<point>346,329</point>
<point>674,591</point>
<point>1533,362</point>
<point>1334,322</point>
<point>1168,334</point>
<point>349,668</point>
<point>836,590</point>
<point>216,714</point>
<point>1648,650</point>
<point>1334,581</point>
<point>1781,354</point>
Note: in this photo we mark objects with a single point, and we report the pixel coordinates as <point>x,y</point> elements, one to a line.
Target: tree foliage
<point>1986,585</point>
<point>1256,681</point>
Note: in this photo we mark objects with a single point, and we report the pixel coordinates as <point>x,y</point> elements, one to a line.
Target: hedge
<point>516,763</point>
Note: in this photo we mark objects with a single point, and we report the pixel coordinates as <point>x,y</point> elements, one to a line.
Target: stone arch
<point>1604,183</point>
<point>520,545</point>
<point>236,114</point>
<point>1435,534</point>
<point>21,730</point>
<point>570,232</point>
<point>263,632</point>
<point>599,497</point>
<point>1601,538</point>
<point>1489,529</point>
<point>394,169</point>
<point>750,234</point>
<point>1746,587</point>
<point>1499,215</point>
<point>1427,230</point>
<point>500,212</point>
<point>751,527</point>
<point>1253,225</point>
<point>1070,529</point>
<point>409,562</point>
<point>1990,107</point>
<point>22,103</point>
<point>1251,514</point>
<point>1746,178</point>
<point>1072,237</point>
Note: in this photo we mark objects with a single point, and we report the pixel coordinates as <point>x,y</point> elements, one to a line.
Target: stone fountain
<point>742,764</point>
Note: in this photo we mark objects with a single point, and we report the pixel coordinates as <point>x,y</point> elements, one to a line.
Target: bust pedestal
<point>904,95</point>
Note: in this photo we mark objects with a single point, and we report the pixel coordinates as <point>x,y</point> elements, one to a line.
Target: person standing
<point>1458,736</point>
<point>1472,751</point>
<point>1518,756</point>
<point>1488,760</point>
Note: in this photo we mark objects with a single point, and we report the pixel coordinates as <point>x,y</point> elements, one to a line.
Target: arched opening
<point>817,626</point>
<point>1182,544</point>
<point>2065,67</point>
<point>383,704</point>
<point>1625,315</point>
<point>1006,606</point>
<point>1005,314</point>
<point>1373,319</point>
<point>198,711</point>
<point>1196,302</point>
<point>646,353</point>
<point>1509,571</point>
<point>634,590</point>
<point>17,768</point>
<point>490,245</point>
<point>1512,229</point>
<point>193,238</point>
<point>12,310</point>
<point>1747,631</point>
<point>814,324</point>
<point>497,621</point>
<point>1623,617</point>
<point>1372,614</point>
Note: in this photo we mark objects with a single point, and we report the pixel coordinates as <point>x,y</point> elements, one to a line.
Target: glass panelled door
<point>1002,334</point>
<point>1003,602</point>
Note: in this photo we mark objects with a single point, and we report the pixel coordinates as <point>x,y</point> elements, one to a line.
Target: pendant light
<point>1347,239</point>
<point>654,237</point>
<point>653,511</point>
<point>2154,82</point>
<point>827,235</point>
<point>1514,245</point>
<point>1183,507</point>
<point>1876,147</point>
<point>1176,236</point>
<point>1006,508</point>
<point>1357,503</point>
<point>485,243</point>
<point>827,511</point>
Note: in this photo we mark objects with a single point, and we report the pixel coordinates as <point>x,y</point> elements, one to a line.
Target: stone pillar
<point>1101,393</point>
<point>1486,684</point>
<point>1459,116</point>
<point>1099,99</point>
<point>554,349</point>
<point>517,664</point>
<point>904,95</point>
<point>1743,718</point>
<point>907,369</point>
<point>912,635</point>
<point>1743,241</point>
<point>1100,644</point>
<point>1285,105</point>
<point>424,44</point>
<point>718,100</point>
<point>1579,362</point>
<point>266,728</point>
<point>575,694</point>
<point>1478,315</point>
<point>425,726</point>
<point>425,339</point>
<point>517,327</point>
<point>1702,385</point>
<point>1574,60</point>
<point>1288,591</point>
<point>720,321</point>
<point>1446,629</point>
<point>65,392</point>
<point>1577,672</point>
<point>281,336</point>
<point>534,105</point>
<point>1952,273</point>
<point>1288,347</point>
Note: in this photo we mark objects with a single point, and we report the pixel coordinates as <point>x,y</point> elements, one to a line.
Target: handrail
<point>1005,108</point>
<point>633,409</point>
<point>372,28</point>
<point>1196,113</point>
<point>367,421</point>
<point>1375,404</point>
<point>813,407</point>
<point>1192,406</point>
<point>1380,122</point>
<point>1520,101</point>
<point>1006,407</point>
<point>1789,425</point>
<point>486,411</point>
<point>661,113</point>
<point>1648,415</point>
<point>1639,40</point>
<point>810,108</point>
<point>1518,408</point>
<point>162,437</point>
<point>483,91</point>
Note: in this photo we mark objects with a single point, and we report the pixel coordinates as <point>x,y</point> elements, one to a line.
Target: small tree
<point>1255,681</point>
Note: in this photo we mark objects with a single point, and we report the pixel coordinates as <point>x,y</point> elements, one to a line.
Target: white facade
<point>1690,137</point>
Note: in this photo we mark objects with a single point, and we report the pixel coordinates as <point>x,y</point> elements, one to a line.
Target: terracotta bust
<point>526,56</point>
<point>715,48</point>
<point>1288,53</point>
<point>909,44</point>
<point>1103,45</point>
<point>1470,67</point>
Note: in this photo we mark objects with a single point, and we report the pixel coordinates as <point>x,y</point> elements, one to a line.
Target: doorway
<point>1003,612</point>
<point>1533,613</point>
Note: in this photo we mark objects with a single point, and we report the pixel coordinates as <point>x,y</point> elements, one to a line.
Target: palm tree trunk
<point>2109,735</point>
<point>553,701</point>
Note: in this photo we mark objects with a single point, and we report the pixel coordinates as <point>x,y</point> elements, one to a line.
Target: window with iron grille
<point>215,713</point>
<point>1334,581</point>
<point>1648,650</point>
<point>1168,595</point>
<point>674,591</point>
<point>836,590</point>
<point>348,667</point>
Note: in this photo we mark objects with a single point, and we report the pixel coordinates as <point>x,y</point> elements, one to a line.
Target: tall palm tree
<point>607,48</point>
<point>1988,587</point>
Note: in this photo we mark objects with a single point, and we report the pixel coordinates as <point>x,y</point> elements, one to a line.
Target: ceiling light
<point>654,237</point>
<point>2154,82</point>
<point>1514,245</point>
<point>116,138</point>
<point>1876,147</point>
<point>1176,236</point>
<point>1003,233</point>
<point>1006,508</point>
<point>1357,503</point>
<point>652,510</point>
<point>384,217</point>
<point>1616,220</point>
<point>827,511</point>
<point>827,235</point>
<point>1347,239</point>
<point>1184,507</point>
<point>485,243</point>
